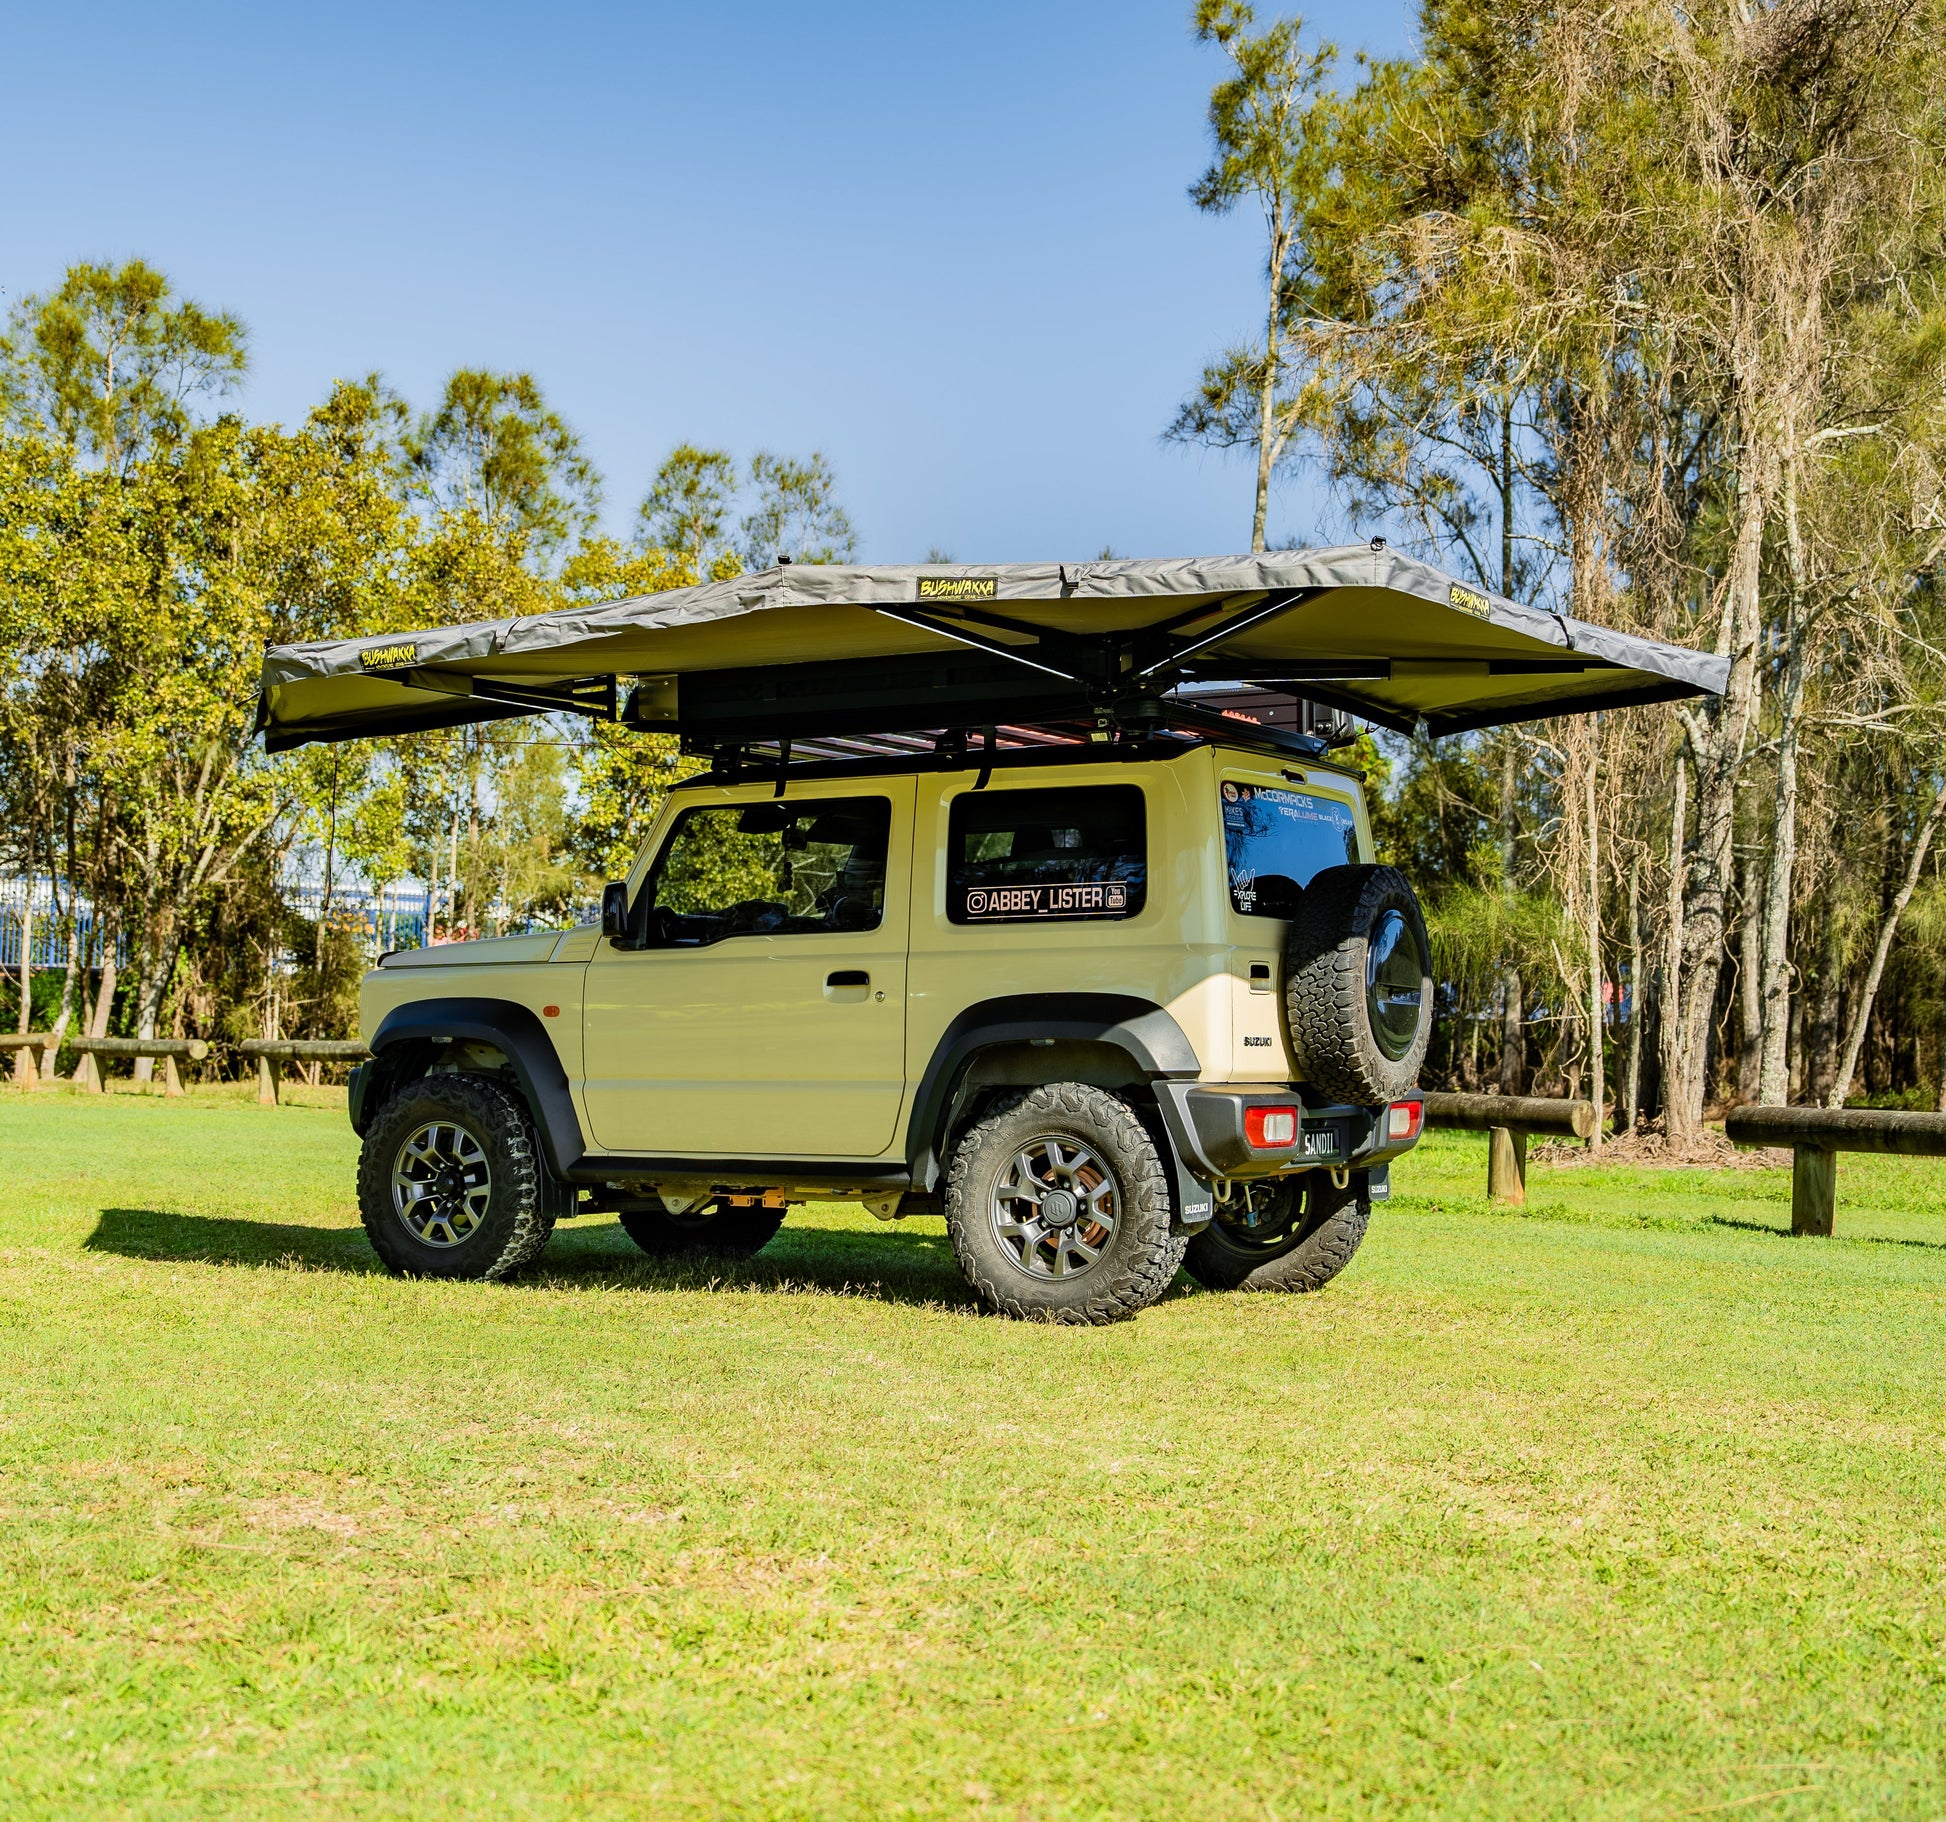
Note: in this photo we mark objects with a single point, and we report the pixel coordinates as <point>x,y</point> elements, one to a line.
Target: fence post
<point>171,1080</point>
<point>1507,1164</point>
<point>91,1073</point>
<point>26,1075</point>
<point>268,1075</point>
<point>1814,1190</point>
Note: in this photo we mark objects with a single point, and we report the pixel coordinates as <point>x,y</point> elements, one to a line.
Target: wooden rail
<point>1507,1119</point>
<point>23,1044</point>
<point>272,1054</point>
<point>1816,1135</point>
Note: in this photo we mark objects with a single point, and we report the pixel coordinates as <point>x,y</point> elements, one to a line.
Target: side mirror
<point>614,911</point>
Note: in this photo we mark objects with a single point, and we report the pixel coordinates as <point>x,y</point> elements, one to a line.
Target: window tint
<point>1279,841</point>
<point>769,869</point>
<point>1016,856</point>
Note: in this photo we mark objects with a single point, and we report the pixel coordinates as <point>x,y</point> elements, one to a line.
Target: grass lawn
<point>1629,1505</point>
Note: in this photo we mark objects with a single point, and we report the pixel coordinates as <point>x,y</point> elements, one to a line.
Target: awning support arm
<point>978,641</point>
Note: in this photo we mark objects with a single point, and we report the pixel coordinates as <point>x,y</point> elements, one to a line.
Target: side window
<point>768,869</point>
<point>1021,856</point>
<point>1277,842</point>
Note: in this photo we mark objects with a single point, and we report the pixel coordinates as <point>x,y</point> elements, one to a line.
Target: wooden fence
<point>1507,1119</point>
<point>1816,1135</point>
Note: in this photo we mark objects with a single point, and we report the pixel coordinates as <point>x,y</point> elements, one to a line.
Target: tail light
<point>1404,1120</point>
<point>1270,1128</point>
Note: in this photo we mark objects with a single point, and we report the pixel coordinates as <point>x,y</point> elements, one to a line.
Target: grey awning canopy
<point>1361,629</point>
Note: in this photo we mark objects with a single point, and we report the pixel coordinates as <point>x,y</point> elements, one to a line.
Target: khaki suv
<point>1030,896</point>
<point>1111,1014</point>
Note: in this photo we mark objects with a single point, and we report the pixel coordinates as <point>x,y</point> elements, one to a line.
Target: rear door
<point>767,1016</point>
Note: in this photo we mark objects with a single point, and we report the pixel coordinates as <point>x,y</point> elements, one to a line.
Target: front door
<point>764,1015</point>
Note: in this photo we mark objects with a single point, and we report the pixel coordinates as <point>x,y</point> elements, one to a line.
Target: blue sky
<point>950,246</point>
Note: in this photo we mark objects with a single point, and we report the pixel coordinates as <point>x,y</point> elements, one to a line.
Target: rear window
<point>1038,856</point>
<point>1277,842</point>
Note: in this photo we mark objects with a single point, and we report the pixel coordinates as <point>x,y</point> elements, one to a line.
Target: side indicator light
<point>550,1012</point>
<point>1270,1128</point>
<point>1404,1119</point>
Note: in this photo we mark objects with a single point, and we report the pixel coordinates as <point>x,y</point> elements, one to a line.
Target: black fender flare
<point>1155,1045</point>
<point>515,1031</point>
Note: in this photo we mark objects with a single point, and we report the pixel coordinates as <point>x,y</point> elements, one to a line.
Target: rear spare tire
<point>1358,985</point>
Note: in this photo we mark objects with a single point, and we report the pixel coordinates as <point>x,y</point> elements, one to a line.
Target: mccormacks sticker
<point>1470,601</point>
<point>388,657</point>
<point>958,588</point>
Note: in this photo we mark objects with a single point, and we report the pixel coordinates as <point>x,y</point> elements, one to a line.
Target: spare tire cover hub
<point>1395,975</point>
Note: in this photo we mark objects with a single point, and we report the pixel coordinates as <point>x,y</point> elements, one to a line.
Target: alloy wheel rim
<point>1055,1207</point>
<point>441,1184</point>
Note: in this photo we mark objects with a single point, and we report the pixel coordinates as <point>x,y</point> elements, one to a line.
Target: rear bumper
<point>1207,1124</point>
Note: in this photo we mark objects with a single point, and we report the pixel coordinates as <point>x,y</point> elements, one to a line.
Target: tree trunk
<point>70,981</point>
<point>1637,1000</point>
<point>1669,1045</point>
<point>1773,1069</point>
<point>1597,1010</point>
<point>1942,1054</point>
<point>1750,1004</point>
<point>27,957</point>
<point>1513,1033</point>
<point>1718,738</point>
<point>1861,1014</point>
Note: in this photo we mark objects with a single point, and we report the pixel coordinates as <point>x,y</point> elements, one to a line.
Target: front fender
<point>514,1030</point>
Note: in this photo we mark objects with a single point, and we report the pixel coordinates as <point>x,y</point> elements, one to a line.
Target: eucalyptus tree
<point>795,514</point>
<point>112,364</point>
<point>1275,136</point>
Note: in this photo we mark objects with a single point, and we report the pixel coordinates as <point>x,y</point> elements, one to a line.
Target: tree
<point>686,511</point>
<point>493,451</point>
<point>1273,125</point>
<point>109,364</point>
<point>796,515</point>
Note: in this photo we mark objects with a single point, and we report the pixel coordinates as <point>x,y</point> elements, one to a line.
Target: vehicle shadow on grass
<point>156,1233</point>
<point>896,1266</point>
<point>900,1265</point>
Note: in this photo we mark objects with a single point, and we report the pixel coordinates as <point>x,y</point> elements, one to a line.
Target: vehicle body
<point>1116,984</point>
<point>811,1065</point>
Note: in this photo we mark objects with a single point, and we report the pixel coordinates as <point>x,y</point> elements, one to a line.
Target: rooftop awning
<point>1357,628</point>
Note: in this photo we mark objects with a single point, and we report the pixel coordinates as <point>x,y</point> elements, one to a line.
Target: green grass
<point>1627,1506</point>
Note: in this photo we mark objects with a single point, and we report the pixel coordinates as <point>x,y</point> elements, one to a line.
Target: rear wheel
<point>1058,1206</point>
<point>714,1228</point>
<point>451,1183</point>
<point>1282,1234</point>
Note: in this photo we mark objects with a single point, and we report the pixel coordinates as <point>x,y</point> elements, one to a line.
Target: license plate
<point>1321,1142</point>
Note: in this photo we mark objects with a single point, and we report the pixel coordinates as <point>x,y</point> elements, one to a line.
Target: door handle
<point>848,977</point>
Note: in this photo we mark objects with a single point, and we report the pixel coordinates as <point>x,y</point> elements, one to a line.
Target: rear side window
<point>1039,856</point>
<point>1277,842</point>
<point>769,869</point>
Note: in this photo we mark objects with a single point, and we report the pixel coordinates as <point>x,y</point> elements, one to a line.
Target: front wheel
<point>1058,1206</point>
<point>1283,1234</point>
<point>451,1183</point>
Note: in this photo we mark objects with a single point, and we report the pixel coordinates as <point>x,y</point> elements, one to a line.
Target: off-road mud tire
<point>718,1231</point>
<point>1326,1003</point>
<point>525,1200</point>
<point>1319,1245</point>
<point>1142,1256</point>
